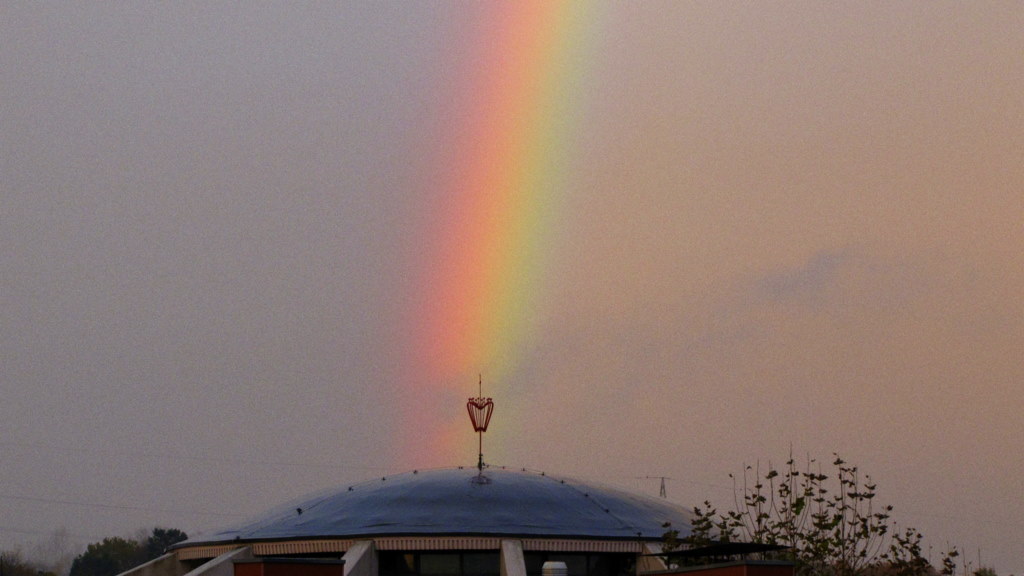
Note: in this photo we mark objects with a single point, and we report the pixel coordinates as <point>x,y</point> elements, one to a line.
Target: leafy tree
<point>107,558</point>
<point>115,555</point>
<point>161,538</point>
<point>831,526</point>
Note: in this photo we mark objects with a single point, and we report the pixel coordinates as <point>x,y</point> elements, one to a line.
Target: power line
<point>194,458</point>
<point>46,533</point>
<point>115,506</point>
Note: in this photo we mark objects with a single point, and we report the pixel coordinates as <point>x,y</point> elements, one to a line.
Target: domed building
<point>447,522</point>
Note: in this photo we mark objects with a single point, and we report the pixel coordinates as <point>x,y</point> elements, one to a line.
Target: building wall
<point>289,567</point>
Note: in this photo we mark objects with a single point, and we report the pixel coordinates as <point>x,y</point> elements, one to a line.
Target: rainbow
<point>507,164</point>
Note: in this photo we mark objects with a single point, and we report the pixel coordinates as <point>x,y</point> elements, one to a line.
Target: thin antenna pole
<point>662,491</point>
<point>480,434</point>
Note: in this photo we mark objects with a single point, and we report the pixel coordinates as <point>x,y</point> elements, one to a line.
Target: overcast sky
<point>789,226</point>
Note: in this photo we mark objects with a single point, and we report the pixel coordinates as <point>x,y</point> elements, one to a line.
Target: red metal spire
<point>480,410</point>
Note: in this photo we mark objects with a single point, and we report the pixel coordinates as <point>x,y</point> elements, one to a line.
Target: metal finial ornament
<point>480,410</point>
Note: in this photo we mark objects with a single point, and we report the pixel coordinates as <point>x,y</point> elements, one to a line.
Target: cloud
<point>811,283</point>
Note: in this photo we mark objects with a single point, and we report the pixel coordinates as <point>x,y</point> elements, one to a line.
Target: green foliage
<point>160,540</point>
<point>949,563</point>
<point>108,558</point>
<point>831,525</point>
<point>670,541</point>
<point>115,555</point>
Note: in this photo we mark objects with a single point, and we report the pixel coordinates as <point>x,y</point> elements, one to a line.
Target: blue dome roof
<point>452,502</point>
